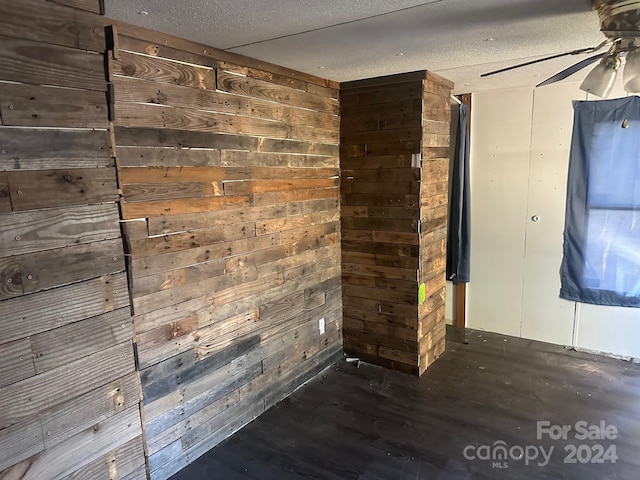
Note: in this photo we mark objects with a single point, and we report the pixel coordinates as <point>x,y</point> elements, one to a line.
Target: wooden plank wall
<point>392,219</point>
<point>434,199</point>
<point>69,393</point>
<point>229,173</point>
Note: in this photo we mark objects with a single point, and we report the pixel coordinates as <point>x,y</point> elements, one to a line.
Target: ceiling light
<point>600,80</point>
<point>631,75</point>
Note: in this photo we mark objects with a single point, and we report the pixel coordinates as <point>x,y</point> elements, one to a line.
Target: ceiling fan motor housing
<point>619,18</point>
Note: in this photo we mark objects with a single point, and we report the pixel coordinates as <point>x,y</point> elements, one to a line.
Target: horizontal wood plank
<point>16,362</point>
<point>233,83</point>
<point>167,157</point>
<point>29,149</point>
<point>163,71</point>
<point>53,188</point>
<point>37,106</point>
<point>122,462</point>
<point>53,24</point>
<point>44,64</point>
<point>42,311</point>
<point>33,395</point>
<point>34,231</point>
<point>145,91</point>
<point>183,118</point>
<point>66,344</point>
<point>156,41</point>
<point>82,449</point>
<point>159,208</point>
<point>52,268</point>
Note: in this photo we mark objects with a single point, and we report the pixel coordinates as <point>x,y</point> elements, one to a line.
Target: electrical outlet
<point>321,326</point>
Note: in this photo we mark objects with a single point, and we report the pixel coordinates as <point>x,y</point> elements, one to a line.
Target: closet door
<point>545,316</point>
<point>500,151</point>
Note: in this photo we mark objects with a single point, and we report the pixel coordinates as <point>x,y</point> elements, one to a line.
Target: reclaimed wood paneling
<point>163,71</point>
<point>38,149</point>
<point>394,188</point>
<point>52,24</point>
<point>139,39</point>
<point>234,251</point>
<point>37,106</point>
<point>39,63</point>
<point>69,393</point>
<point>5,196</point>
<point>52,188</point>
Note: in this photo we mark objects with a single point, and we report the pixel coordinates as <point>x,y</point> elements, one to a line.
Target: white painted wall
<point>519,158</point>
<point>449,302</point>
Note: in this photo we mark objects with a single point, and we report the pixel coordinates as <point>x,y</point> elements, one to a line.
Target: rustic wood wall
<point>69,393</point>
<point>394,165</point>
<point>229,173</point>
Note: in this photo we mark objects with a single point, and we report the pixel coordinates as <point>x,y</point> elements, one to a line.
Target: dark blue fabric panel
<point>459,229</point>
<point>601,262</point>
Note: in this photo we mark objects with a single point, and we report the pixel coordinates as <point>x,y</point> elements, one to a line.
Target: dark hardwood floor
<point>371,423</point>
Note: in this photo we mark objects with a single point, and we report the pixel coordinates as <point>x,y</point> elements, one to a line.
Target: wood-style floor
<point>371,423</point>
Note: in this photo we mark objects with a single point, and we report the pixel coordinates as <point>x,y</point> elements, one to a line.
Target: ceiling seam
<point>331,26</point>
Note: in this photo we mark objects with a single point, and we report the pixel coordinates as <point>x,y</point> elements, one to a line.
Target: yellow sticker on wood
<point>422,293</point>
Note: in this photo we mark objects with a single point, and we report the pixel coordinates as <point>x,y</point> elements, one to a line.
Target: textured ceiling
<point>352,39</point>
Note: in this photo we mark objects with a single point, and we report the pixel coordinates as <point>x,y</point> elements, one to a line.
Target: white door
<point>545,316</point>
<point>520,150</point>
<point>519,160</point>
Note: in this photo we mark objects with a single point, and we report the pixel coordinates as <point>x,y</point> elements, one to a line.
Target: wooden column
<point>394,164</point>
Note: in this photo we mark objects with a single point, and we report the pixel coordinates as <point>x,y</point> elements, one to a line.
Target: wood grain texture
<point>49,389</point>
<point>51,309</point>
<point>182,118</point>
<point>53,24</point>
<point>36,106</point>
<point>29,149</point>
<point>66,344</point>
<point>140,91</point>
<point>233,83</point>
<point>392,263</point>
<point>16,362</point>
<point>158,208</point>
<point>52,188</point>
<point>5,196</point>
<point>234,258</point>
<point>79,450</point>
<point>69,393</point>
<point>167,157</point>
<point>35,231</point>
<point>183,138</point>
<point>83,412</point>
<point>44,64</point>
<point>52,268</point>
<point>123,462</point>
<point>163,71</point>
<point>156,43</point>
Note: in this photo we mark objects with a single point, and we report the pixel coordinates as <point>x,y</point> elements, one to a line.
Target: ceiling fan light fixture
<point>631,75</point>
<point>600,80</point>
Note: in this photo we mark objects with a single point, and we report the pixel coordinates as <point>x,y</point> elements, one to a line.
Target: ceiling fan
<point>620,23</point>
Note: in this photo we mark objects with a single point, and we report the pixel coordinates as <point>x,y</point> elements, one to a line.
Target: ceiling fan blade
<point>567,72</point>
<point>532,62</point>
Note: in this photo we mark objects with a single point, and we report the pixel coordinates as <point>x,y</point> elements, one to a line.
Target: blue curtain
<point>458,235</point>
<point>601,262</point>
